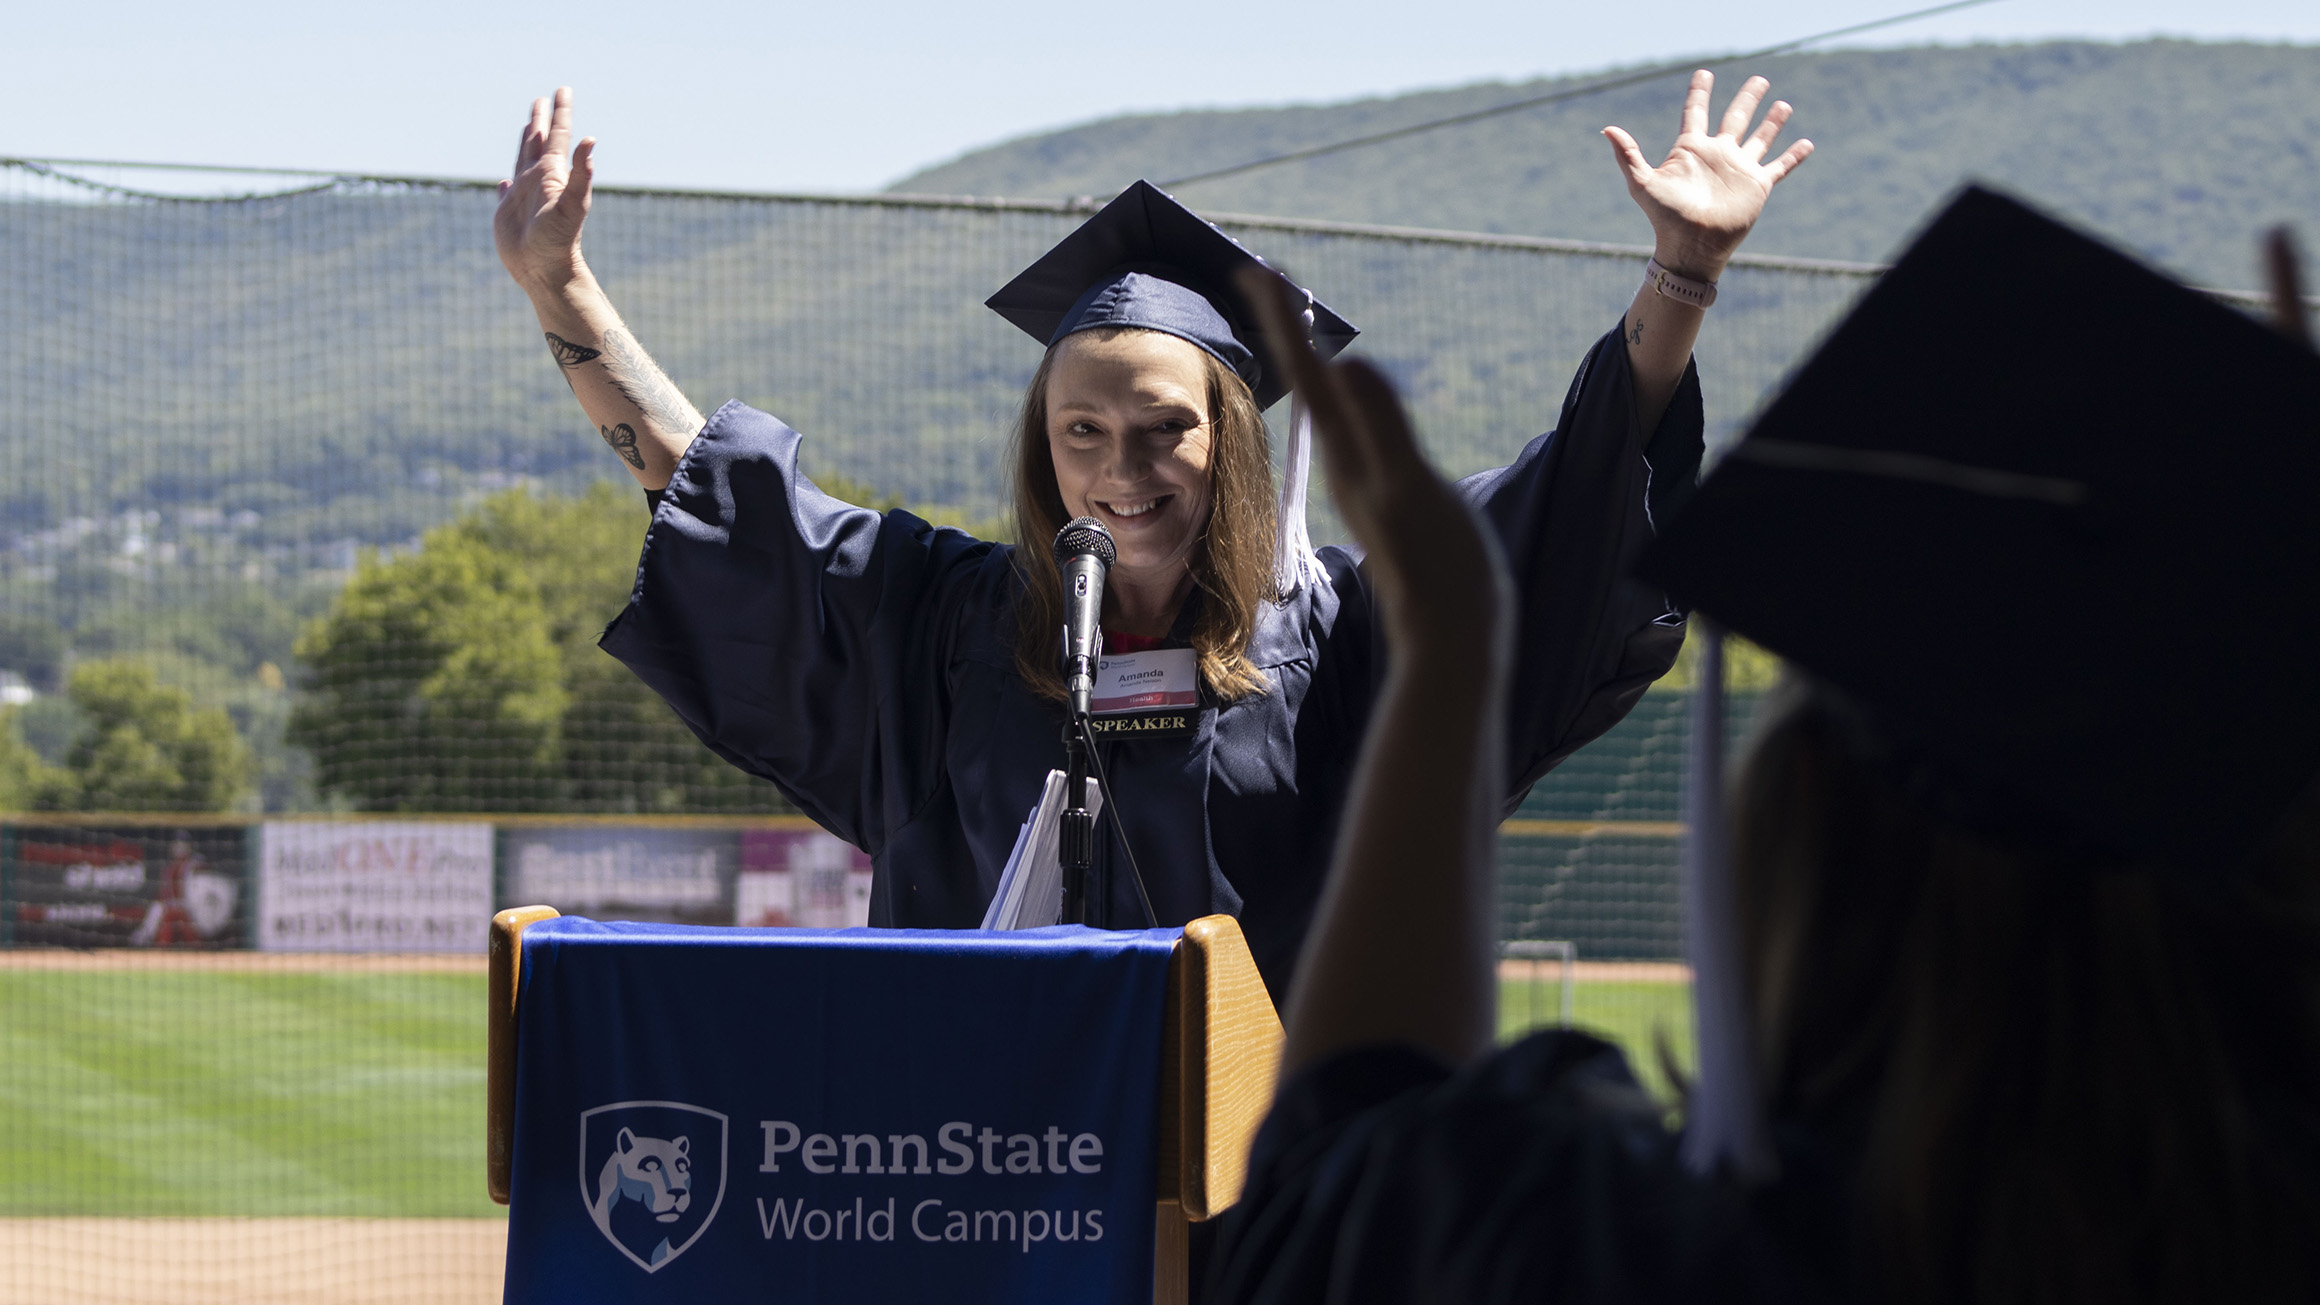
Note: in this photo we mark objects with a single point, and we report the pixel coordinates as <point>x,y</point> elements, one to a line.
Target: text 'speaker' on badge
<point>1149,694</point>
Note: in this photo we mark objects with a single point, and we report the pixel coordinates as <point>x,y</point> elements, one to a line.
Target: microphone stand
<point>1084,893</point>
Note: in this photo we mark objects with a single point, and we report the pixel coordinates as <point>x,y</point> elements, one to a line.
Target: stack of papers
<point>1030,891</point>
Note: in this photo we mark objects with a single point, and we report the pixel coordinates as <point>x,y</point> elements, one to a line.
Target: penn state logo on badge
<point>652,1174</point>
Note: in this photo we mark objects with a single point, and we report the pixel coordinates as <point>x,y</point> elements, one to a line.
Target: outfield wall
<point>371,884</point>
<point>366,884</point>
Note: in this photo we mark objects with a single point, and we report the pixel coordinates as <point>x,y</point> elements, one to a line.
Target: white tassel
<point>1724,1122</point>
<point>1294,562</point>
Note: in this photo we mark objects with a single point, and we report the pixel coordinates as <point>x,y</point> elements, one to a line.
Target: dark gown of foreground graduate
<point>1543,1175</point>
<point>864,664</point>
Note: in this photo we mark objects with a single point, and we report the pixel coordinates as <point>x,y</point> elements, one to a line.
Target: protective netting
<point>302,523</point>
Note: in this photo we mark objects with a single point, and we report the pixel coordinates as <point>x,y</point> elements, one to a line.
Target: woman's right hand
<point>537,227</point>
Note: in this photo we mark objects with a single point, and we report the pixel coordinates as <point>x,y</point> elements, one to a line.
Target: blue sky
<point>829,97</point>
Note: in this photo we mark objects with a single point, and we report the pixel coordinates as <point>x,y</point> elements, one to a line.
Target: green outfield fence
<point>302,547</point>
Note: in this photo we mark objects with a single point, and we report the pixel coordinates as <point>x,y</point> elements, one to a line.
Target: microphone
<point>1084,553</point>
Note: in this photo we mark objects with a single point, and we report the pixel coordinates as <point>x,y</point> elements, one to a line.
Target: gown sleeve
<point>1542,1175</point>
<point>1572,512</point>
<point>803,639</point>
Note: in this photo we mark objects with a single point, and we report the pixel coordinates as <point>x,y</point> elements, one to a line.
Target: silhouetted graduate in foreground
<point>2025,863</point>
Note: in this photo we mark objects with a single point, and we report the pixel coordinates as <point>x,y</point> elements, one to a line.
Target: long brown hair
<point>2064,1079</point>
<point>1232,562</point>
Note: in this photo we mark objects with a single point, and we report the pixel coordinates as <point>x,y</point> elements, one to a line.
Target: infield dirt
<point>251,1261</point>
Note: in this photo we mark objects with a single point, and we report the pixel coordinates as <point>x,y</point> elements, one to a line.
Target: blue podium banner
<point>835,1115</point>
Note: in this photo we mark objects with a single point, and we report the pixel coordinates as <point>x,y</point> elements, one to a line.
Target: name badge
<point>1157,679</point>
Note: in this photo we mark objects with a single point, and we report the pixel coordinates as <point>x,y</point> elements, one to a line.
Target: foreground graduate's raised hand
<point>544,203</point>
<point>1439,574</point>
<point>1707,193</point>
<point>1400,950</point>
<point>2286,279</point>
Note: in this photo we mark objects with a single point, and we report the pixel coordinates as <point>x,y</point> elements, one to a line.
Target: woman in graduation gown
<point>886,675</point>
<point>2010,988</point>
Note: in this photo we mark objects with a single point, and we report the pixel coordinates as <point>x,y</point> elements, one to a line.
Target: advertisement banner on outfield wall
<point>614,872</point>
<point>803,877</point>
<point>373,886</point>
<point>126,886</point>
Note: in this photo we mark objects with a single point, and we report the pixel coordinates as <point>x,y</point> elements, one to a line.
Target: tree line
<point>466,677</point>
<point>462,676</point>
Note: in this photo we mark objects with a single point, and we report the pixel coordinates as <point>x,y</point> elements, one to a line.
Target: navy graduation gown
<point>863,662</point>
<point>1543,1174</point>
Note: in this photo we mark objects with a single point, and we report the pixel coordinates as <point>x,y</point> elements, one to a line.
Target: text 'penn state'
<point>906,1153</point>
<point>959,1148</point>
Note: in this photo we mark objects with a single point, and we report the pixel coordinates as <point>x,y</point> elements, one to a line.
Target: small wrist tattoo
<point>1635,331</point>
<point>622,438</point>
<point>569,354</point>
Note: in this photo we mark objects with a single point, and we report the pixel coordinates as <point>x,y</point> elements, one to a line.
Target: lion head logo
<point>648,1169</point>
<point>640,1170</point>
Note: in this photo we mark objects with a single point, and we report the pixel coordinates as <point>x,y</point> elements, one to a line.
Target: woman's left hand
<point>1706,195</point>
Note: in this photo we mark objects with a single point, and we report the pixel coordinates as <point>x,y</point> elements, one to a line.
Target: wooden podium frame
<point>1220,1050</point>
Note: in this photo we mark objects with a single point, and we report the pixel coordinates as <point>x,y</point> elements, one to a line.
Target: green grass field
<point>152,1092</point>
<point>159,1092</point>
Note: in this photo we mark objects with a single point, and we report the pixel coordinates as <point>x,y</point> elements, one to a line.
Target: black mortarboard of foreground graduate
<point>1147,261</point>
<point>2046,518</point>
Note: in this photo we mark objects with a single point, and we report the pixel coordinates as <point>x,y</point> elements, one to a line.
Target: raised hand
<point>1401,948</point>
<point>1441,580</point>
<point>537,227</point>
<point>629,400</point>
<point>1706,195</point>
<point>2287,282</point>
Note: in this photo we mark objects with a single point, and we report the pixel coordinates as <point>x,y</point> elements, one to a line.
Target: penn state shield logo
<point>652,1174</point>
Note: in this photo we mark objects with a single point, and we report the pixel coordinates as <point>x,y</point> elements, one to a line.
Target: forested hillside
<point>2177,149</point>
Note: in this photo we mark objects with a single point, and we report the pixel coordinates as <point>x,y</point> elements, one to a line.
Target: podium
<point>1206,1085</point>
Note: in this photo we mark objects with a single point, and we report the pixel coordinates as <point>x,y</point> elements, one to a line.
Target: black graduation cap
<point>2047,518</point>
<point>1147,261</point>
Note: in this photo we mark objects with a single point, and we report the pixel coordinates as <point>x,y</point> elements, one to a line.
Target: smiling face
<point>1129,429</point>
<point>1167,447</point>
